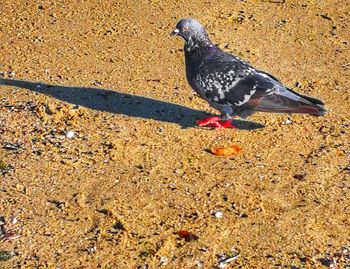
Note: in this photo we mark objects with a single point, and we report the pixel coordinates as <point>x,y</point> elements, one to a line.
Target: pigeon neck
<point>197,43</point>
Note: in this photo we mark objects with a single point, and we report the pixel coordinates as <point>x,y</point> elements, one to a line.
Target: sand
<point>102,163</point>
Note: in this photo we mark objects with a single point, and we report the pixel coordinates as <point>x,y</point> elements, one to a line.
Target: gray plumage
<point>231,85</point>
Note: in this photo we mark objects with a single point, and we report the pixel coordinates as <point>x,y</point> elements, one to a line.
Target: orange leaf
<point>226,151</point>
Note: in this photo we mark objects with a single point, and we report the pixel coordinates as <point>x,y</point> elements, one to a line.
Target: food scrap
<point>226,151</point>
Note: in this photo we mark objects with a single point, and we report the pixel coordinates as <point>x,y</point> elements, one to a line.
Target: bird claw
<point>215,122</point>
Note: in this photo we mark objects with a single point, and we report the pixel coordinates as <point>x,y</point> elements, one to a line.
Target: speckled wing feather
<point>227,80</point>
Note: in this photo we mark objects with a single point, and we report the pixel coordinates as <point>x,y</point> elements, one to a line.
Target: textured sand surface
<point>138,170</point>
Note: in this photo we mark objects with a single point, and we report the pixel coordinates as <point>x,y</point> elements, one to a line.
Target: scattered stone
<point>6,255</point>
<point>334,30</point>
<point>326,261</point>
<point>5,233</point>
<point>118,226</point>
<point>4,168</point>
<point>2,225</point>
<point>203,249</point>
<point>70,134</point>
<point>13,220</point>
<point>346,169</point>
<point>218,214</point>
<point>106,211</point>
<point>298,84</point>
<point>97,83</point>
<point>286,122</point>
<point>163,260</point>
<point>92,249</point>
<point>300,177</point>
<point>11,146</point>
<point>59,204</point>
<point>10,236</point>
<point>282,22</point>
<point>80,198</point>
<point>243,215</point>
<point>200,263</point>
<point>325,16</point>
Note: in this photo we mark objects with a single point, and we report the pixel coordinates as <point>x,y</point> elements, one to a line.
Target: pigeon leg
<point>215,122</point>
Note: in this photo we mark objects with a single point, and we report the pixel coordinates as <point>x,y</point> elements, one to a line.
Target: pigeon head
<point>192,32</point>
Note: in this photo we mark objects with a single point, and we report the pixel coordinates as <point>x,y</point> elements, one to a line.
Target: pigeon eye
<point>185,28</point>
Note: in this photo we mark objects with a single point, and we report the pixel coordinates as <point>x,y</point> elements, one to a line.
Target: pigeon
<point>231,85</point>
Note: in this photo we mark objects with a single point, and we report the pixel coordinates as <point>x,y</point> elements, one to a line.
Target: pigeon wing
<point>260,91</point>
<point>227,80</point>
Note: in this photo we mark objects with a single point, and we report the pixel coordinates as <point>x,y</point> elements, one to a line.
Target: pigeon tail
<point>315,106</point>
<point>284,104</point>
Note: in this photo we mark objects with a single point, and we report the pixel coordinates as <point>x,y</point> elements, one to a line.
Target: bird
<point>231,85</point>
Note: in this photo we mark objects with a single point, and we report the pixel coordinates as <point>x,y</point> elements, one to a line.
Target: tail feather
<point>310,99</point>
<point>283,104</point>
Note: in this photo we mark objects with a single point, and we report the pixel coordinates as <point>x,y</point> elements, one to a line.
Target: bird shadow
<point>122,103</point>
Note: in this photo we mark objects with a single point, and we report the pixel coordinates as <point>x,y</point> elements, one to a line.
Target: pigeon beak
<point>174,32</point>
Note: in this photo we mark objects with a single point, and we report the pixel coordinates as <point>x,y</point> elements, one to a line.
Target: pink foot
<point>215,122</point>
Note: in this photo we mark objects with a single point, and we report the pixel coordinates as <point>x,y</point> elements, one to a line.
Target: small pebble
<point>10,236</point>
<point>298,84</point>
<point>200,263</point>
<point>14,220</point>
<point>163,260</point>
<point>218,214</point>
<point>286,122</point>
<point>70,134</point>
<point>92,249</point>
<point>6,255</point>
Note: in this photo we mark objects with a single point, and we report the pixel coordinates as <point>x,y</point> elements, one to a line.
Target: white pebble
<point>199,263</point>
<point>286,122</point>
<point>163,260</point>
<point>14,220</point>
<point>218,214</point>
<point>92,249</point>
<point>70,134</point>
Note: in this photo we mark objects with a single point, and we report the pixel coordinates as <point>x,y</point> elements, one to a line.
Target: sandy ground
<point>137,169</point>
